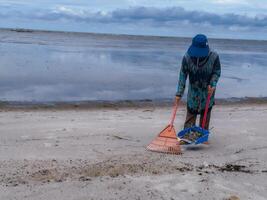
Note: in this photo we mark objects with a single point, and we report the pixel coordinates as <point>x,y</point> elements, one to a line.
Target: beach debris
<point>234,168</point>
<point>50,171</point>
<point>190,137</point>
<point>84,179</point>
<point>233,197</point>
<point>239,151</point>
<point>148,110</point>
<point>119,137</point>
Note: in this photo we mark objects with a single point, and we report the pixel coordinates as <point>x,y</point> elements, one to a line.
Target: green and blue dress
<point>202,72</point>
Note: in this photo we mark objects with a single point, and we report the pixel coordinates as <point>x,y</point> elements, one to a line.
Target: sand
<point>100,154</point>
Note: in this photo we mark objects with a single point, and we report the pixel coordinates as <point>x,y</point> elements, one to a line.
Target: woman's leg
<point>190,120</point>
<point>207,121</point>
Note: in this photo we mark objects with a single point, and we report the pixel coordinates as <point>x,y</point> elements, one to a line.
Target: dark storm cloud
<point>180,14</point>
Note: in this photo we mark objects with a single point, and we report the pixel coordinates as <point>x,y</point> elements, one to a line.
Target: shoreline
<point>145,103</point>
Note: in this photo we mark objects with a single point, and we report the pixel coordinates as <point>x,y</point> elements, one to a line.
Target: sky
<point>239,19</point>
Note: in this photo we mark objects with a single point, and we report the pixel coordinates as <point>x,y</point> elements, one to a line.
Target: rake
<point>166,141</point>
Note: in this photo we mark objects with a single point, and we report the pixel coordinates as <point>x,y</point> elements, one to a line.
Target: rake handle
<point>175,108</point>
<point>206,110</point>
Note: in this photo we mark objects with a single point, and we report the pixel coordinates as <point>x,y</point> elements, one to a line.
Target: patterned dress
<point>202,72</point>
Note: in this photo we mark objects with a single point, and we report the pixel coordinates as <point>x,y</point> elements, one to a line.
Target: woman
<point>204,69</point>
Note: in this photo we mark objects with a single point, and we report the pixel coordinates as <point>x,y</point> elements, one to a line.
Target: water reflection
<point>72,67</point>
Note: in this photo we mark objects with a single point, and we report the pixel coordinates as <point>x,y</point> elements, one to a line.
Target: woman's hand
<point>177,100</point>
<point>211,90</point>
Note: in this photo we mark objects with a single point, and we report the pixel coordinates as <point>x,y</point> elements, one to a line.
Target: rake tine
<point>165,142</point>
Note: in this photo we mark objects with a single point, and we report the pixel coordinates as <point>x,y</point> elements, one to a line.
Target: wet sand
<point>100,154</point>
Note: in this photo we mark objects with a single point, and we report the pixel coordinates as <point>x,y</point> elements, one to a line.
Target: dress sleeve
<point>216,72</point>
<point>182,78</point>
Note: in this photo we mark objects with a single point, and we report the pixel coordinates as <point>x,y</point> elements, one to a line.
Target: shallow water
<point>43,66</point>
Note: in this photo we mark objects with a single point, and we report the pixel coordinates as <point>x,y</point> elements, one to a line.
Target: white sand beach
<point>100,154</point>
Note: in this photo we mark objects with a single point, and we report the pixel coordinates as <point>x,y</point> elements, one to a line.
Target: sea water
<point>54,66</point>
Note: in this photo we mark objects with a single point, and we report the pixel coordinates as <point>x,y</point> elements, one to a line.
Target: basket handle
<point>175,108</point>
<point>206,110</point>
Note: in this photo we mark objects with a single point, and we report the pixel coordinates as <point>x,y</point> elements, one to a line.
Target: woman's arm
<point>182,78</point>
<point>216,73</point>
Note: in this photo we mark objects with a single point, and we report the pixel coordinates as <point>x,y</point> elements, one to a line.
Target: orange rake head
<point>165,142</point>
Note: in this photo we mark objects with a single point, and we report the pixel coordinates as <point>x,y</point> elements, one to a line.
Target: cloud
<point>161,16</point>
<point>231,2</point>
<point>170,21</point>
<point>176,14</point>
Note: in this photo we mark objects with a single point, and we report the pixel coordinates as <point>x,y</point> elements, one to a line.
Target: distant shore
<point>25,30</point>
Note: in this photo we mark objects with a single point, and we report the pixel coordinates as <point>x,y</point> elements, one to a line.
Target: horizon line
<point>27,30</point>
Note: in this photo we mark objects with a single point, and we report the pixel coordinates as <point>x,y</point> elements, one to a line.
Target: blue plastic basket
<point>202,139</point>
